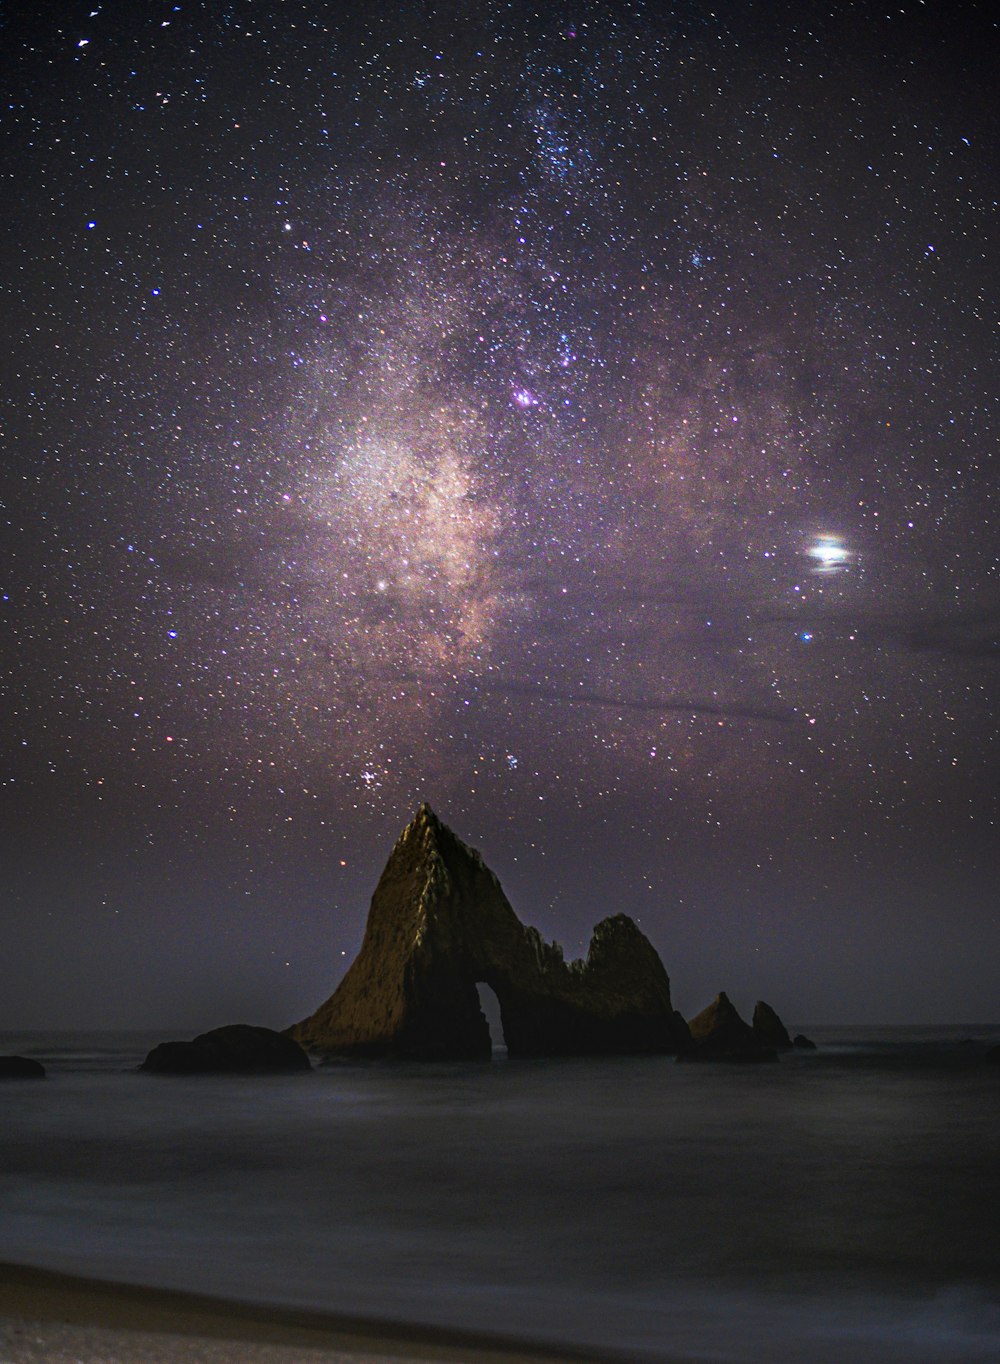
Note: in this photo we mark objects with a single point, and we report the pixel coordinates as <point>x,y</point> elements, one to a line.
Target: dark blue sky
<point>581,417</point>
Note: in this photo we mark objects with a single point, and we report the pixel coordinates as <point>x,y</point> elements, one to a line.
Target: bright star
<point>831,554</point>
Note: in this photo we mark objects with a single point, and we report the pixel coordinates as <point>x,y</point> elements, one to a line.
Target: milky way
<point>582,418</point>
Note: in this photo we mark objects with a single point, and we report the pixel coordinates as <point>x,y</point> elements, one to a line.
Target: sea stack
<point>718,1033</point>
<point>438,924</point>
<point>769,1029</point>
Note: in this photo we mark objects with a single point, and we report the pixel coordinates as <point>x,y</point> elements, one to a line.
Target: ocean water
<point>842,1205</point>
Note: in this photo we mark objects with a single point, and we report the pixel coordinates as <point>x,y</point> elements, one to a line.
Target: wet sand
<point>62,1319</point>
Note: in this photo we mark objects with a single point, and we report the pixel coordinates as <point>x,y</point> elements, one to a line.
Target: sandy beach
<point>62,1319</point>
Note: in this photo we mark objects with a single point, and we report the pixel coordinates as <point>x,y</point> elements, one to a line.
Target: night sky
<point>582,417</point>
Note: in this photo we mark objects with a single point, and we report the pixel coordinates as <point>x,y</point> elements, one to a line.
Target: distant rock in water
<point>801,1043</point>
<point>769,1029</point>
<point>237,1048</point>
<point>438,924</point>
<point>21,1068</point>
<point>718,1033</point>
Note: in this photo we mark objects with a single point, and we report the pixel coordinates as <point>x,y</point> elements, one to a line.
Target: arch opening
<point>490,1006</point>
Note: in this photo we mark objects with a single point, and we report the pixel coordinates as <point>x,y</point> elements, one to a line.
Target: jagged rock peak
<point>425,815</point>
<point>432,832</point>
<point>438,924</point>
<point>427,824</point>
<point>424,824</point>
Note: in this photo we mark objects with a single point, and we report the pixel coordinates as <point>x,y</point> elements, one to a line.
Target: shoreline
<point>46,1313</point>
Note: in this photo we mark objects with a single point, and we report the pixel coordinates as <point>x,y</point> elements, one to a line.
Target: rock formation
<point>21,1068</point>
<point>718,1033</point>
<point>238,1049</point>
<point>438,924</point>
<point>802,1043</point>
<point>769,1029</point>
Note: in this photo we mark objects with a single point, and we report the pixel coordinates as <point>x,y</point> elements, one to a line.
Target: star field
<point>581,417</point>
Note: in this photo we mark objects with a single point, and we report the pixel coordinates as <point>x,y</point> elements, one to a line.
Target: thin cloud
<point>534,691</point>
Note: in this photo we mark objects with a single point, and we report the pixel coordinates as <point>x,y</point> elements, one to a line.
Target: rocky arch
<point>438,923</point>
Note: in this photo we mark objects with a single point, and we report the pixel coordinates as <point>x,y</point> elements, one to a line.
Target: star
<point>830,554</point>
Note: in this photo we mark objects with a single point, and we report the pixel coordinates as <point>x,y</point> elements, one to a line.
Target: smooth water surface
<point>837,1205</point>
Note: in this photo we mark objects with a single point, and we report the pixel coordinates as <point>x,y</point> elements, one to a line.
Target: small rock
<point>235,1049</point>
<point>21,1068</point>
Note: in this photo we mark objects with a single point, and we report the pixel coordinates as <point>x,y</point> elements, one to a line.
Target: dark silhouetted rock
<point>801,1043</point>
<point>769,1029</point>
<point>21,1068</point>
<point>993,1056</point>
<point>438,924</point>
<point>718,1033</point>
<point>237,1048</point>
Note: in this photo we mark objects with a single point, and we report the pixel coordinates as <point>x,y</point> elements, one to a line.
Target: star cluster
<point>579,416</point>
